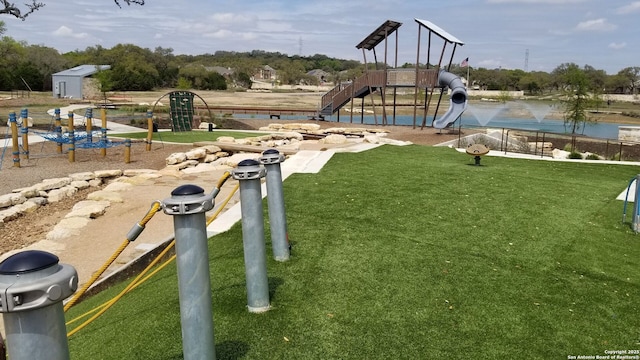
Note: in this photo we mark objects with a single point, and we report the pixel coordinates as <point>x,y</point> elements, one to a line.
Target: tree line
<point>24,67</point>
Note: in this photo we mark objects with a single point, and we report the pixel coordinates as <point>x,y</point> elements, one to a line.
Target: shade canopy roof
<point>438,31</point>
<point>376,37</point>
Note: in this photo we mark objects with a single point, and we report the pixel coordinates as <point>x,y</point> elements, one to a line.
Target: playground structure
<point>379,80</point>
<point>19,128</point>
<point>183,114</point>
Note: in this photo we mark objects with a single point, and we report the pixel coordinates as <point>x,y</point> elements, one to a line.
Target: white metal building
<point>69,83</point>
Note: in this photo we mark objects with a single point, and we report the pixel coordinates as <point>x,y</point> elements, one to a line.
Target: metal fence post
<point>271,160</point>
<point>32,287</point>
<point>249,173</point>
<point>188,205</point>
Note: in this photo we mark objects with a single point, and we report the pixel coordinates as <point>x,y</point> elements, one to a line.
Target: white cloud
<point>595,25</point>
<point>64,31</point>
<point>618,46</point>
<point>230,18</point>
<point>628,9</point>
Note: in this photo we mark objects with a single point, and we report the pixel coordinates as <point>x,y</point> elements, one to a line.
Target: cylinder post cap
<point>27,261</point>
<point>187,190</point>
<point>248,162</point>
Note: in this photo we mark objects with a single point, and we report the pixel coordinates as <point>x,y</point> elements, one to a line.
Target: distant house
<point>76,82</point>
<point>320,74</point>
<point>266,73</point>
<point>226,72</point>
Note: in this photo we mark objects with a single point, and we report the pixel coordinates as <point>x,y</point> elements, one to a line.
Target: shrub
<point>568,147</point>
<point>593,157</point>
<point>574,155</point>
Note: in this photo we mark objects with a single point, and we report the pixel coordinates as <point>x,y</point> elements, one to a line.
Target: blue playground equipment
<point>635,222</point>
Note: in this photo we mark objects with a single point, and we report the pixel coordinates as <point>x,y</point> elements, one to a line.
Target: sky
<point>532,35</point>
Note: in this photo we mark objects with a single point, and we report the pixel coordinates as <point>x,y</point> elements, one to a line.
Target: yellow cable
<point>137,282</point>
<point>155,207</point>
<point>224,203</point>
<point>160,267</point>
<point>123,292</point>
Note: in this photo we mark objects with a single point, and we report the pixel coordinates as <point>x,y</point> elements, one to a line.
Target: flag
<point>464,63</point>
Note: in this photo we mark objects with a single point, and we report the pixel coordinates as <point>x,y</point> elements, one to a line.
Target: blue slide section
<point>457,102</point>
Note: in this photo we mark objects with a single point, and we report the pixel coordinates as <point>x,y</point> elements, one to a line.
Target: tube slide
<point>457,102</point>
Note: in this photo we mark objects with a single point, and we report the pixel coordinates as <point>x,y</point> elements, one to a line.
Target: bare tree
<point>13,10</point>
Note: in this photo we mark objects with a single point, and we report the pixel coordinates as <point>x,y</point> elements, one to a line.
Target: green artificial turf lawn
<point>413,253</point>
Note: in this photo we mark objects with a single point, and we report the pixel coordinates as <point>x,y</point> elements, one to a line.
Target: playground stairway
<point>370,82</point>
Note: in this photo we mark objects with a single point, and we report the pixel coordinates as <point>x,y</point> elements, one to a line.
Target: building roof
<point>220,70</point>
<point>384,30</point>
<point>83,70</point>
<point>438,31</point>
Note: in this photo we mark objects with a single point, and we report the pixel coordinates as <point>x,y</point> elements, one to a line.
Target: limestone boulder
<point>82,176</point>
<point>107,173</point>
<point>334,139</point>
<point>8,200</point>
<point>196,154</point>
<point>211,149</point>
<point>50,184</point>
<point>226,139</point>
<point>111,196</point>
<point>62,193</point>
<point>89,209</point>
<point>176,158</point>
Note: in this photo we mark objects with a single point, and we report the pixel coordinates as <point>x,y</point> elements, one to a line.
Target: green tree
<point>46,61</point>
<point>632,77</point>
<point>105,82</point>
<point>11,57</point>
<point>577,99</point>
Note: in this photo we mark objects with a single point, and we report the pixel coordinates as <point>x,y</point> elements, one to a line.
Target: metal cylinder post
<point>188,205</point>
<point>72,139</point>
<point>58,129</point>
<point>249,173</point>
<point>149,129</point>
<point>88,115</point>
<point>271,160</point>
<point>636,207</point>
<point>24,129</point>
<point>127,151</point>
<point>15,148</point>
<point>103,131</point>
<point>32,287</point>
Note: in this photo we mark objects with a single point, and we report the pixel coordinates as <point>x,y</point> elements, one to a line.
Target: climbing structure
<point>380,81</point>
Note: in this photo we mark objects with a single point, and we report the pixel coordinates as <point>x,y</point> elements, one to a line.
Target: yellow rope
<point>155,207</point>
<point>123,292</point>
<point>224,203</point>
<point>137,281</point>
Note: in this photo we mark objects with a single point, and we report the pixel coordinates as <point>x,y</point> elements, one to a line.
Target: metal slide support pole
<point>636,207</point>
<point>188,205</point>
<point>249,173</point>
<point>32,287</point>
<point>271,160</point>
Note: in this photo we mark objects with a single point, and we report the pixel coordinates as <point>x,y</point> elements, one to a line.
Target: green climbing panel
<point>181,103</point>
